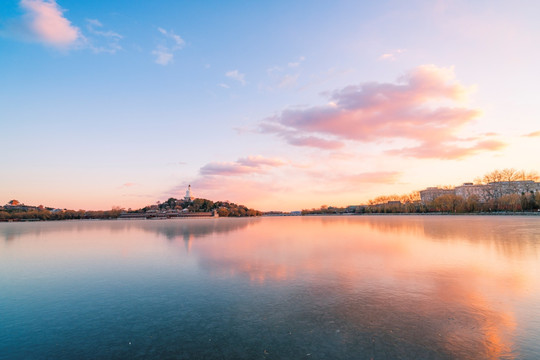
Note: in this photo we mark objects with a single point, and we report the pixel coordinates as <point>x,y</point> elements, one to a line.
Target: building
<point>469,189</point>
<point>431,193</point>
<point>483,193</point>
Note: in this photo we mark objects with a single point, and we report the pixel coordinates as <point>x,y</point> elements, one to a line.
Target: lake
<point>334,287</point>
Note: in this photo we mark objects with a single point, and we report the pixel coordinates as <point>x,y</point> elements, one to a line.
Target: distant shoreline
<point>526,213</point>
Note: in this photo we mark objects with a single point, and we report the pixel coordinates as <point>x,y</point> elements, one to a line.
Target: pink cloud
<point>388,56</point>
<point>226,169</point>
<point>337,183</point>
<point>257,161</point>
<point>435,150</point>
<point>248,191</point>
<point>232,181</point>
<point>377,177</point>
<point>280,188</point>
<point>247,165</point>
<point>421,106</point>
<point>391,56</point>
<point>297,138</point>
<point>47,23</point>
<point>533,134</point>
<point>314,141</point>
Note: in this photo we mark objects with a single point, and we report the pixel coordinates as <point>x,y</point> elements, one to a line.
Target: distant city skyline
<point>278,106</point>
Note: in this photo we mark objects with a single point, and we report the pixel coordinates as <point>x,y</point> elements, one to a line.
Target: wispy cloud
<point>297,63</point>
<point>285,76</point>
<point>163,55</point>
<point>392,55</point>
<point>449,150</point>
<point>313,141</point>
<point>94,24</point>
<point>295,137</point>
<point>102,40</point>
<point>236,75</point>
<point>422,106</point>
<point>178,41</point>
<point>533,134</point>
<point>259,161</point>
<point>376,177</point>
<point>127,185</point>
<point>288,80</point>
<point>273,69</point>
<point>246,190</point>
<point>243,166</point>
<point>247,180</point>
<point>164,52</point>
<point>44,21</point>
<point>351,181</point>
<point>299,138</point>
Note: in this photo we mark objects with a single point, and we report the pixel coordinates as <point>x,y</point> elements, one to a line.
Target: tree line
<point>223,208</point>
<point>509,174</point>
<point>46,214</point>
<point>32,213</point>
<point>450,203</point>
<point>525,202</point>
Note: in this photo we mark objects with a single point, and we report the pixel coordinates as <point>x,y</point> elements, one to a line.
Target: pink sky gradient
<point>105,104</point>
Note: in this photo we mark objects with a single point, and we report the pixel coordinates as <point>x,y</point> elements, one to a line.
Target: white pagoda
<point>188,196</point>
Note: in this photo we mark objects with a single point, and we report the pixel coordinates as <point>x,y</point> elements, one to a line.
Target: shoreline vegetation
<point>172,208</point>
<point>522,203</point>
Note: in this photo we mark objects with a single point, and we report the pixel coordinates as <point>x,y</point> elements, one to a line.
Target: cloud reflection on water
<point>445,287</point>
<point>450,277</point>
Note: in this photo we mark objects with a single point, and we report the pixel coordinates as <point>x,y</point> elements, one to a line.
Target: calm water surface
<point>359,287</point>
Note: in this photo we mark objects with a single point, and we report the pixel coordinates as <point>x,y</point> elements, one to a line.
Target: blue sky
<point>125,103</point>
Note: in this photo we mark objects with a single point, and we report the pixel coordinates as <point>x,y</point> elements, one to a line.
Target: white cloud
<point>163,56</point>
<point>392,55</point>
<point>236,75</point>
<point>178,41</point>
<point>165,51</point>
<point>273,70</point>
<point>288,80</point>
<point>285,76</point>
<point>100,40</point>
<point>297,63</point>
<point>94,22</point>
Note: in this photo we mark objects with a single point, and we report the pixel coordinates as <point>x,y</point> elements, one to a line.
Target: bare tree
<point>509,174</point>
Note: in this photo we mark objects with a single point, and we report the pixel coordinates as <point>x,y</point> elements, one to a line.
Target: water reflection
<point>382,287</point>
<point>511,236</point>
<point>393,278</point>
<point>171,228</point>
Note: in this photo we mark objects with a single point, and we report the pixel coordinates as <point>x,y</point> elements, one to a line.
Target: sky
<point>275,105</point>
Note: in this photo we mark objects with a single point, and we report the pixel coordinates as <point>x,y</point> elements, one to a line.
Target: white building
<point>188,196</point>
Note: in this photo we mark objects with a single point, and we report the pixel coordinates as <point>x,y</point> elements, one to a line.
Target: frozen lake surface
<point>344,287</point>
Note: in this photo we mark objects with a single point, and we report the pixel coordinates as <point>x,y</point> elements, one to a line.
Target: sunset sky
<point>279,105</point>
